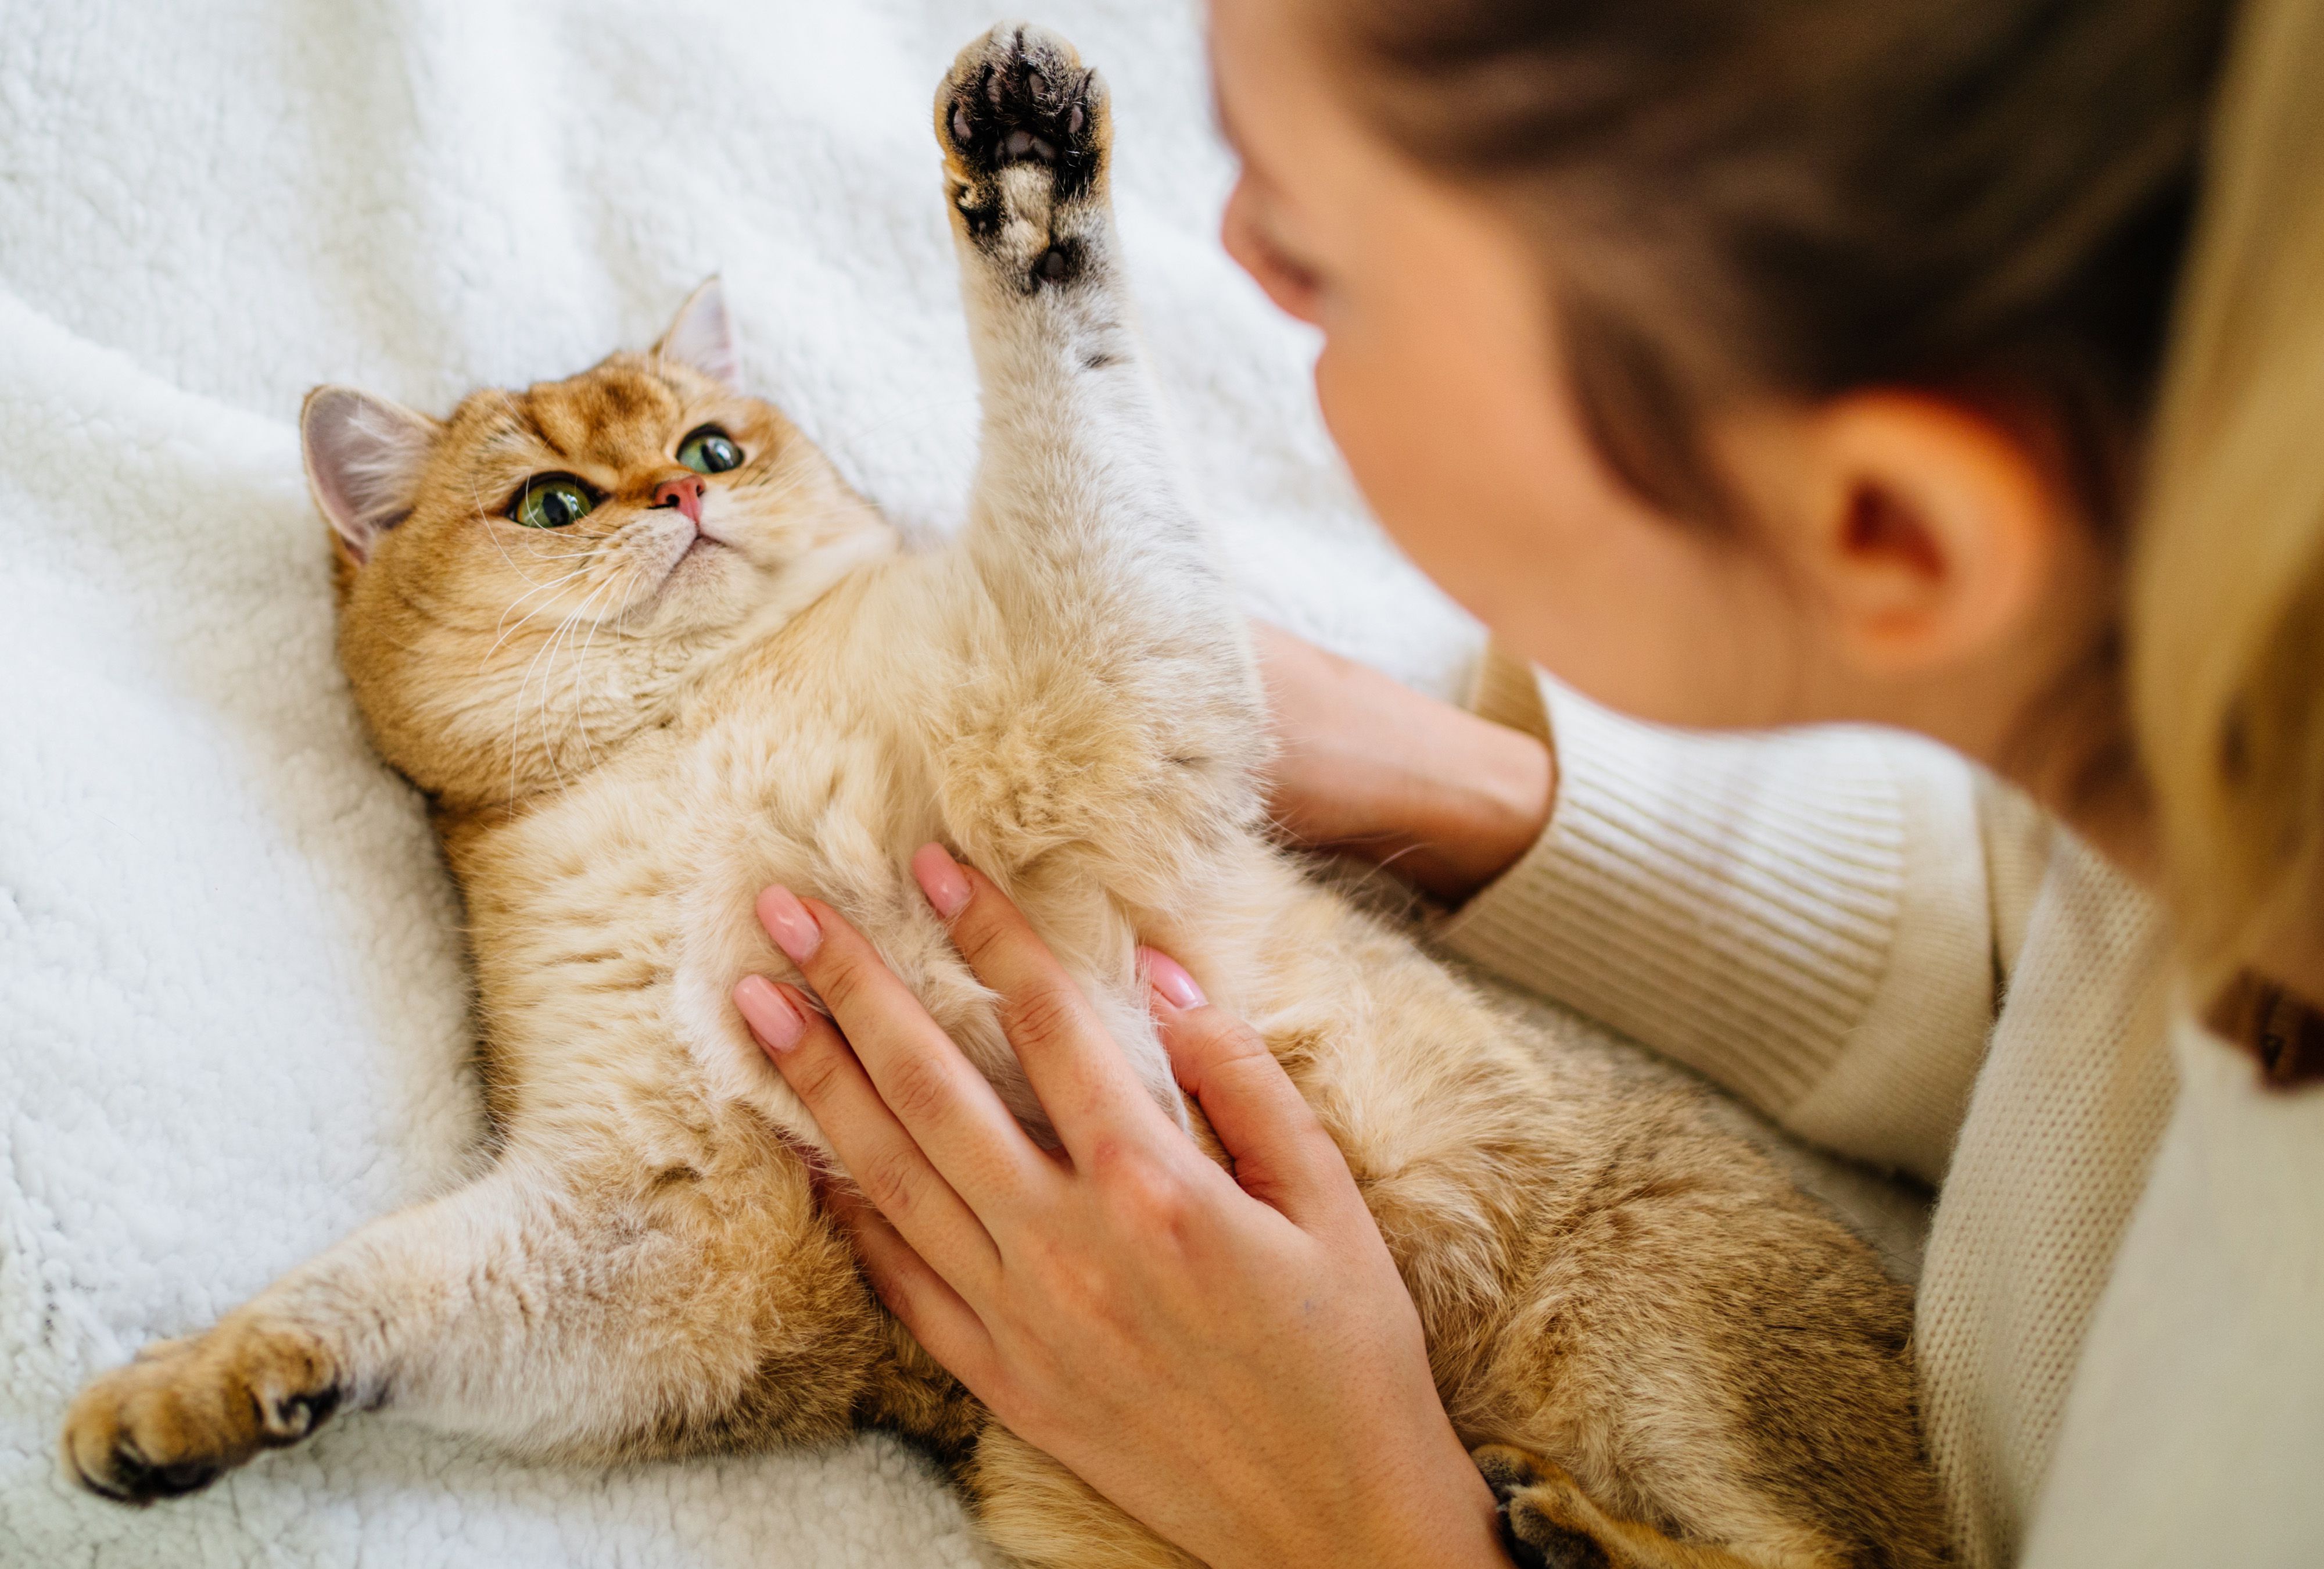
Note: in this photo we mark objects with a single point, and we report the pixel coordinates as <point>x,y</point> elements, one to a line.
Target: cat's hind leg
<point>1046,1517</point>
<point>1548,1522</point>
<point>593,1308</point>
<point>1043,1517</point>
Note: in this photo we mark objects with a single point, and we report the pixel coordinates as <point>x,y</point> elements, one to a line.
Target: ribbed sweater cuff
<point>1800,916</point>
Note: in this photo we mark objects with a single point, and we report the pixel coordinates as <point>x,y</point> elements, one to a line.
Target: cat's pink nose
<point>684,494</point>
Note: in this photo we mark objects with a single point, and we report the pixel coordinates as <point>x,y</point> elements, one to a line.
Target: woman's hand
<point>1369,766</point>
<point>1230,1358</point>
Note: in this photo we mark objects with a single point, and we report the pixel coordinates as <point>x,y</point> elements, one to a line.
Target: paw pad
<point>294,1416</point>
<point>1017,97</point>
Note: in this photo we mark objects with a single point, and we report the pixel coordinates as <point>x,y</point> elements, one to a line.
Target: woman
<point>1947,365</point>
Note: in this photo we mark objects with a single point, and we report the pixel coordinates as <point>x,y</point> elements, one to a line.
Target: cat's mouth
<point>700,556</point>
<point>700,548</point>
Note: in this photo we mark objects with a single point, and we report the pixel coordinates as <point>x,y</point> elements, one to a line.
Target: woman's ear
<point>364,457</point>
<point>1930,530</point>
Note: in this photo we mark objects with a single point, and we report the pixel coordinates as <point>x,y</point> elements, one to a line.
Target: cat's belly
<point>721,942</point>
<point>614,925</point>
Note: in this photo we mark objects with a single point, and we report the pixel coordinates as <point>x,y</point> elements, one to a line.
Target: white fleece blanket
<point>231,994</point>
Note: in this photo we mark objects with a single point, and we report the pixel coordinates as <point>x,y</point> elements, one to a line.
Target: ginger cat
<point>646,652</point>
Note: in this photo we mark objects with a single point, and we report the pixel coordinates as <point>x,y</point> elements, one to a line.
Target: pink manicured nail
<point>940,879</point>
<point>1167,976</point>
<point>787,922</point>
<point>768,1013</point>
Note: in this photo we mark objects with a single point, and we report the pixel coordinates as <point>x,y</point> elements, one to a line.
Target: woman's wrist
<point>1455,1528</point>
<point>1479,803</point>
<point>1369,766</point>
<point>1421,1505</point>
<point>1458,1527</point>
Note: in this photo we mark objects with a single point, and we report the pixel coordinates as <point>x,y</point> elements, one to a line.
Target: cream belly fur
<point>1666,1355</point>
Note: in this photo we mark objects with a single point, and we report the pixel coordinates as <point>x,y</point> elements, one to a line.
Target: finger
<point>876,1149</point>
<point>1282,1156</point>
<point>947,1107</point>
<point>1073,1065</point>
<point>939,1318</point>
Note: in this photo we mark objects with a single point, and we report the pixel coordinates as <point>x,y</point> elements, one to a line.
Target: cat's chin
<point>700,557</point>
<point>710,579</point>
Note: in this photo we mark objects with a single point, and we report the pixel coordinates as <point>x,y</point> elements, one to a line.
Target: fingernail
<point>1167,976</point>
<point>940,879</point>
<point>787,922</point>
<point>768,1013</point>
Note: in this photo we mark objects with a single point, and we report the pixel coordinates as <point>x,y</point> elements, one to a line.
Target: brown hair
<point>2110,212</point>
<point>1991,197</point>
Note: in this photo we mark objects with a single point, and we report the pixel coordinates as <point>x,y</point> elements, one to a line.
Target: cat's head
<point>527,583</point>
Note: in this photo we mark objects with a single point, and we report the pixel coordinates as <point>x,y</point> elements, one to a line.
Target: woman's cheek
<point>1458,488</point>
<point>1428,469</point>
<point>1508,510</point>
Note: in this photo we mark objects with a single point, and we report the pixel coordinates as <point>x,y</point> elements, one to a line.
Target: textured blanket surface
<point>231,995</point>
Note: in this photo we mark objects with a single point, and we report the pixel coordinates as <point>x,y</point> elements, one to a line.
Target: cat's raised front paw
<point>1025,133</point>
<point>186,1411</point>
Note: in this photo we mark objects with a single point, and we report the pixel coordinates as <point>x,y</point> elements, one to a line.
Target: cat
<point>645,651</point>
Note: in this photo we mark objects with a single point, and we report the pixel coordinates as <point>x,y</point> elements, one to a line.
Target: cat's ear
<point>363,460</point>
<point>703,337</point>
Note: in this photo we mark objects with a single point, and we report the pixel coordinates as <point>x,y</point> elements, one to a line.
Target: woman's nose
<point>684,494</point>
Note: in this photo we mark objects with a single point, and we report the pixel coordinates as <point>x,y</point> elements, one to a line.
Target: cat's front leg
<point>597,1309</point>
<point>1106,706</point>
<point>338,1331</point>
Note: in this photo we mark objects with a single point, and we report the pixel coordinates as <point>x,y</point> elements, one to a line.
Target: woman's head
<point>1753,360</point>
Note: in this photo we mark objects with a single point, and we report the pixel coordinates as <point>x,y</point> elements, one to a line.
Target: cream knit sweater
<point>2121,1318</point>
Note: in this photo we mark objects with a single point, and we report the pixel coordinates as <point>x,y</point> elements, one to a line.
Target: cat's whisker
<point>612,589</point>
<point>506,631</point>
<point>561,637</point>
<point>545,651</point>
<point>556,641</point>
<point>536,540</point>
<point>485,519</point>
<point>503,638</point>
<point>581,663</point>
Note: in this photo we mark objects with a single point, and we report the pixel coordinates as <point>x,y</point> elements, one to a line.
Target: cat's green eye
<point>710,450</point>
<point>552,502</point>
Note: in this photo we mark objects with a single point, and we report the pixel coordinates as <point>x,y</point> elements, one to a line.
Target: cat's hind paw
<point>1026,135</point>
<point>186,1411</point>
<point>1544,1519</point>
<point>1548,1522</point>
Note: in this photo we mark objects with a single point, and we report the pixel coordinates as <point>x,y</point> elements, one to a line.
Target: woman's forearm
<point>1369,766</point>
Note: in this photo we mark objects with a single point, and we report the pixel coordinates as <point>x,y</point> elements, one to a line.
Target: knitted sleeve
<point>1807,919</point>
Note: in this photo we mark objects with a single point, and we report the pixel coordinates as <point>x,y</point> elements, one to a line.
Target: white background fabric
<point>231,994</point>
